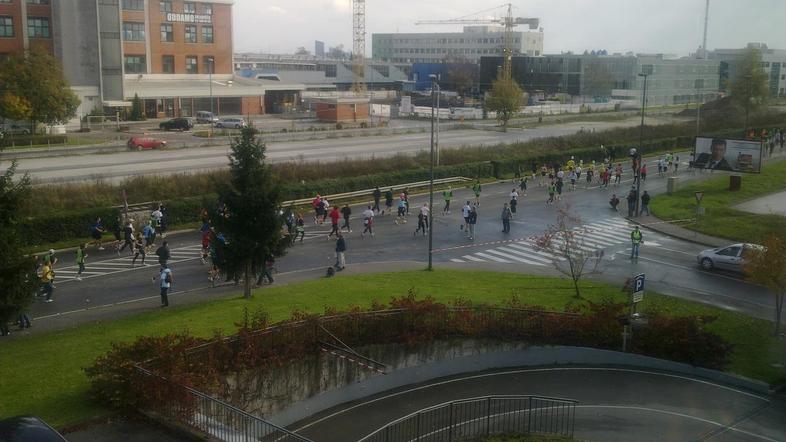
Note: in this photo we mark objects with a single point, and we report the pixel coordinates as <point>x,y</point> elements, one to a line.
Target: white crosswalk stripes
<point>591,238</point>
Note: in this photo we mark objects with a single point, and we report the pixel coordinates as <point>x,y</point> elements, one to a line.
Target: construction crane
<point>508,21</point>
<point>359,46</point>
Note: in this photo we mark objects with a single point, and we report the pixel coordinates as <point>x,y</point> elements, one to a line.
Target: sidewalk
<point>676,231</point>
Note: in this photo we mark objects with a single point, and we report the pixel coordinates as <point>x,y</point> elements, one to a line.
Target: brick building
<point>174,54</point>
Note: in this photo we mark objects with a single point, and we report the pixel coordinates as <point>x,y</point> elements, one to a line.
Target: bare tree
<point>576,258</point>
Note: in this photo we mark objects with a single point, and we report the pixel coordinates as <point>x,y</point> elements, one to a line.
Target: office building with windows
<point>773,62</point>
<point>471,44</point>
<point>175,55</point>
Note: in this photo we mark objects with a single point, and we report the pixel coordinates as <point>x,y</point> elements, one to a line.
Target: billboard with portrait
<point>727,154</point>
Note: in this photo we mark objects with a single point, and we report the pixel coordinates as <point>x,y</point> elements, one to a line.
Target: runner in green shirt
<point>476,188</point>
<point>447,195</point>
<point>80,261</point>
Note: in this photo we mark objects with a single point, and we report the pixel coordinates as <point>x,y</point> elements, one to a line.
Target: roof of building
<point>200,87</point>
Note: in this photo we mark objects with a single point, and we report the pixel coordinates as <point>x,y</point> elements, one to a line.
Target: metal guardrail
<point>338,196</point>
<point>482,417</point>
<point>216,419</point>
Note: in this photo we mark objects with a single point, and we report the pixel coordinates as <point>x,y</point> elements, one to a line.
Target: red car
<point>140,143</point>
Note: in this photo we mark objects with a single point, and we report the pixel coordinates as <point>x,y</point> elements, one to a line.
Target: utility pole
<point>646,70</point>
<point>706,20</point>
<point>434,91</point>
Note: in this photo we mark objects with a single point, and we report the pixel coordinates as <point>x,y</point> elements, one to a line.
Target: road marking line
<point>513,257</point>
<point>525,255</point>
<point>492,257</point>
<point>456,260</point>
<point>530,246</point>
<point>472,258</point>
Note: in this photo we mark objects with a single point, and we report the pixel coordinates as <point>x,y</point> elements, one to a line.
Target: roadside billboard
<point>727,154</point>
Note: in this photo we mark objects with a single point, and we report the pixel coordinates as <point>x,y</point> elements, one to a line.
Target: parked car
<point>177,124</point>
<point>731,257</point>
<point>15,129</point>
<point>28,429</point>
<point>205,117</point>
<point>231,123</point>
<point>140,143</point>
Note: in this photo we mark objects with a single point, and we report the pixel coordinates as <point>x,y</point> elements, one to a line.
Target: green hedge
<point>61,226</point>
<point>25,140</point>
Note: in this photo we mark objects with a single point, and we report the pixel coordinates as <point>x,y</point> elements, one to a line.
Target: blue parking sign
<point>638,283</point>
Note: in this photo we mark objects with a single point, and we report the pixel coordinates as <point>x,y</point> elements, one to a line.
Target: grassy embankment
<point>42,374</point>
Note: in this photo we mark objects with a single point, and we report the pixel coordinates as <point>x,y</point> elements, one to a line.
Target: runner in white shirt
<point>424,210</point>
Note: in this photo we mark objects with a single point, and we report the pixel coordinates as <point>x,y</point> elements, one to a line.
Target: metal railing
<point>482,417</point>
<point>215,418</point>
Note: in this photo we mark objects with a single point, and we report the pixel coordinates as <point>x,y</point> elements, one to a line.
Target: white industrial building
<point>471,44</point>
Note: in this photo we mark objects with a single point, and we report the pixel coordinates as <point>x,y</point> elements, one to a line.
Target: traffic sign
<point>699,196</point>
<point>638,288</point>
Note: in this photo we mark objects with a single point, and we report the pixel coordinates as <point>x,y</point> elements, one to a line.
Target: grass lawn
<point>720,219</point>
<point>42,374</point>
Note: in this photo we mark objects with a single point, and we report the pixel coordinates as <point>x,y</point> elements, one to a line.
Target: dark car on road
<point>177,124</point>
<point>141,143</point>
<point>28,429</point>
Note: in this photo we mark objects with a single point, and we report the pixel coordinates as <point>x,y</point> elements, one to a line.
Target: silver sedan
<point>731,257</point>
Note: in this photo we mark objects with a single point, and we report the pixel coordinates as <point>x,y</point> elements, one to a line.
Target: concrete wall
<point>76,41</point>
<point>111,53</point>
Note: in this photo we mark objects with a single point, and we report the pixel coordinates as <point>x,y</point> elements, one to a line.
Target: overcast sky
<point>664,26</point>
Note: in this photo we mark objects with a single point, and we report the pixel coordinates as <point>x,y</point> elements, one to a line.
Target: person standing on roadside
<point>476,189</point>
<point>80,261</point>
<point>341,248</point>
<point>473,219</point>
<point>139,249</point>
<point>636,240</point>
<point>163,254</point>
<point>523,185</point>
<point>405,193</point>
<point>552,189</point>
<point>426,212</point>
<point>447,195</point>
<point>618,174</point>
<point>316,205</point>
<point>166,284</point>
<point>421,224</point>
<point>632,197</point>
<point>97,231</point>
<point>643,172</point>
<point>334,217</point>
<point>368,222</point>
<point>388,201</point>
<point>645,203</point>
<point>377,196</point>
<point>346,212</point>
<point>506,215</point>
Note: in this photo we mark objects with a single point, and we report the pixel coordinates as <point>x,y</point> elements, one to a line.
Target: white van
<point>206,117</point>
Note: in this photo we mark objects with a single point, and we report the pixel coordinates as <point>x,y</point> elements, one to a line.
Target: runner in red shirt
<point>334,217</point>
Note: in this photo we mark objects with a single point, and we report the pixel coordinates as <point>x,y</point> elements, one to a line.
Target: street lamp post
<point>434,89</point>
<point>699,100</point>
<point>749,80</point>
<point>210,82</point>
<point>645,72</point>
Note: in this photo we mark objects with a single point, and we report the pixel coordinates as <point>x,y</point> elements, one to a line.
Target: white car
<point>731,257</point>
<point>231,123</point>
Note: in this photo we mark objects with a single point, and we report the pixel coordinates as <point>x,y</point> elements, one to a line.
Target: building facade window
<point>165,6</point>
<point>167,32</point>
<point>207,9</point>
<point>134,5</point>
<point>38,27</point>
<point>135,64</point>
<point>38,2</point>
<point>191,65</point>
<point>168,64</point>
<point>208,64</point>
<point>189,7</point>
<point>207,34</point>
<point>191,33</point>
<point>133,31</point>
<point>6,27</point>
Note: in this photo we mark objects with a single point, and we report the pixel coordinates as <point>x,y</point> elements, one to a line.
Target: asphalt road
<point>112,287</point>
<point>615,404</point>
<point>125,164</point>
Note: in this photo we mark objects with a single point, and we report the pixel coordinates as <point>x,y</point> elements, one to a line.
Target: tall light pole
<point>434,89</point>
<point>646,70</point>
<point>699,100</point>
<point>749,80</point>
<point>210,82</point>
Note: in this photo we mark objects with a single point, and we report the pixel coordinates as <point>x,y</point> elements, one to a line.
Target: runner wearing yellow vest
<point>636,240</point>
